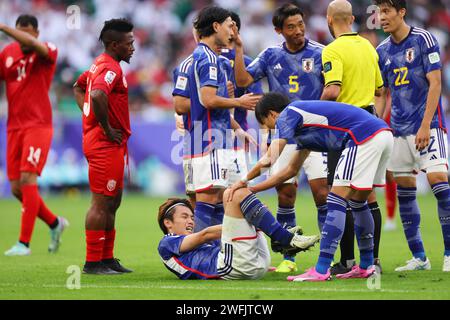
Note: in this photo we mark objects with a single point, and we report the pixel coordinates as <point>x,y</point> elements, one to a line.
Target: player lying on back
<point>242,252</point>
<point>329,126</point>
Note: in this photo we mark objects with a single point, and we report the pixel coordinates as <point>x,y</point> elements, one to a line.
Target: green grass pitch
<point>43,276</point>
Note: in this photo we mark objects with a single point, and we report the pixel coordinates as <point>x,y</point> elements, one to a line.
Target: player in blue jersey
<point>411,68</point>
<point>210,148</point>
<point>235,250</point>
<point>240,114</point>
<point>324,126</point>
<point>294,69</point>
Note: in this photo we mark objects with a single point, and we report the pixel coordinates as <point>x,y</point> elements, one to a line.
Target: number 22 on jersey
<point>401,73</point>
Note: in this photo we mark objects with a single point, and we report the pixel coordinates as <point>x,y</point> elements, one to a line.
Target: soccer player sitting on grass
<point>323,126</point>
<point>242,252</point>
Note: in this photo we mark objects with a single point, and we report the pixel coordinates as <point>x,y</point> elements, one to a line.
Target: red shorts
<point>27,150</point>
<point>106,169</point>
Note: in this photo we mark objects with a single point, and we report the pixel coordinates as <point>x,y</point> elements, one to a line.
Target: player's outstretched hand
<point>248,101</point>
<point>238,185</point>
<point>114,135</point>
<point>423,138</point>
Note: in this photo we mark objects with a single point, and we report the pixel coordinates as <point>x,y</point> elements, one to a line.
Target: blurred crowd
<point>163,33</point>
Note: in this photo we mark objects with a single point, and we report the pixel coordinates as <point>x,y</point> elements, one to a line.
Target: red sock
<point>108,247</point>
<point>45,214</point>
<point>95,240</point>
<point>391,199</point>
<point>30,209</point>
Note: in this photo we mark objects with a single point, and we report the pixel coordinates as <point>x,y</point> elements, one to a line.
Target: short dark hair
<point>167,209</point>
<point>282,13</point>
<point>272,101</point>
<point>113,30</point>
<point>25,20</point>
<point>206,18</point>
<point>235,17</point>
<point>397,4</point>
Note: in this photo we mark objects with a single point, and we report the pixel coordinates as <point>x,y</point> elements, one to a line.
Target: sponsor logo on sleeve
<point>9,62</point>
<point>434,57</point>
<point>181,83</point>
<point>327,67</point>
<point>213,73</point>
<point>109,77</point>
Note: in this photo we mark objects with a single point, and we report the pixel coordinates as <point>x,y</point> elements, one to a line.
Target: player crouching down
<point>235,250</point>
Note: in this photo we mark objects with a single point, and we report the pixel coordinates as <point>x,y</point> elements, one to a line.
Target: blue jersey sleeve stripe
<point>425,35</point>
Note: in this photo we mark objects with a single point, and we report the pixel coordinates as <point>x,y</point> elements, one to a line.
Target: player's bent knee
<point>240,195</point>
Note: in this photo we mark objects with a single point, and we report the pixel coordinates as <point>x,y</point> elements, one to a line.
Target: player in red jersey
<point>102,95</point>
<point>27,66</point>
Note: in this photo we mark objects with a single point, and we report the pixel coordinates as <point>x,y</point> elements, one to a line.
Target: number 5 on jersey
<point>293,82</point>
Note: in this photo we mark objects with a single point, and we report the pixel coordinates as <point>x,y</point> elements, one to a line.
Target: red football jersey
<point>106,75</point>
<point>28,78</point>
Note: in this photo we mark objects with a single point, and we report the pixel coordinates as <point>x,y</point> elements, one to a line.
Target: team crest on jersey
<point>410,55</point>
<point>111,185</point>
<point>308,65</point>
<point>125,83</point>
<point>109,77</point>
<point>9,61</point>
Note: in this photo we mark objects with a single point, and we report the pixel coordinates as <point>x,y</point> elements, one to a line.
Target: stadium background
<point>163,33</point>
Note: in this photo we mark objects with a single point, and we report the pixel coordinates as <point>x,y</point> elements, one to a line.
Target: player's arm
<point>211,100</point>
<point>266,161</point>
<point>195,240</point>
<point>332,73</point>
<point>243,78</point>
<point>26,39</point>
<point>380,102</point>
<point>100,107</point>
<point>181,104</point>
<point>292,169</point>
<point>79,89</point>
<point>240,133</point>
<point>434,92</point>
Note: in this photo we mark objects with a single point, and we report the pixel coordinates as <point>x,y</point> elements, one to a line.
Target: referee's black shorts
<point>333,156</point>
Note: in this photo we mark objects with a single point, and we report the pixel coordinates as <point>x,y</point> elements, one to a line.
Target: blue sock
<point>410,215</point>
<point>321,215</point>
<point>364,231</point>
<point>203,214</point>
<point>286,217</point>
<point>332,231</point>
<point>258,215</point>
<point>219,212</point>
<point>442,193</point>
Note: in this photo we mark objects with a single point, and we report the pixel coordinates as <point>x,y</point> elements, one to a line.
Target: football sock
<point>321,215</point>
<point>442,193</point>
<point>347,243</point>
<point>108,246</point>
<point>332,231</point>
<point>286,217</point>
<point>376,214</point>
<point>217,217</point>
<point>410,215</point>
<point>364,230</point>
<point>391,199</point>
<point>95,241</point>
<point>30,209</point>
<point>258,215</point>
<point>46,215</point>
<point>202,215</point>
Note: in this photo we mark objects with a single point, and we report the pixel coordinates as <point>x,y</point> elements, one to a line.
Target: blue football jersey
<point>297,75</point>
<point>210,126</point>
<point>404,67</point>
<point>326,125</point>
<point>200,263</point>
<point>240,114</point>
<point>181,88</point>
